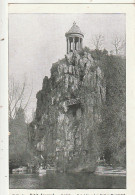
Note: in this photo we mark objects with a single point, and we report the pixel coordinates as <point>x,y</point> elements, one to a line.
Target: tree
<point>17,97</point>
<point>119,45</point>
<point>19,150</point>
<point>18,136</point>
<point>113,128</point>
<point>97,41</point>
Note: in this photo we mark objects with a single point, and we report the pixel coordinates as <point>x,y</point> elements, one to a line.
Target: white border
<point>129,9</point>
<point>72,1</point>
<point>3,98</point>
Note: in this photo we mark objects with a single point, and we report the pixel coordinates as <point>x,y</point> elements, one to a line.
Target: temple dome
<point>74,30</point>
<point>74,38</point>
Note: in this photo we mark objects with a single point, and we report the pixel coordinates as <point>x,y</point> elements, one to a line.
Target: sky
<point>38,40</point>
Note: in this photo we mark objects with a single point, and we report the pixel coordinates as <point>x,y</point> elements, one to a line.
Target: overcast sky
<point>38,40</point>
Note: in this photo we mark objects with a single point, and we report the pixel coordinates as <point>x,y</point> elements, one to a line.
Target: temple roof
<point>74,30</point>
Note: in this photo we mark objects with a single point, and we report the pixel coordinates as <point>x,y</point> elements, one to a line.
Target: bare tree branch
<point>20,96</point>
<point>28,99</point>
<point>118,44</point>
<point>17,97</point>
<point>97,41</point>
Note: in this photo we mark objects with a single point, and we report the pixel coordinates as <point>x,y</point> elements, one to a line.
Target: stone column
<point>79,44</point>
<point>73,44</point>
<point>67,46</point>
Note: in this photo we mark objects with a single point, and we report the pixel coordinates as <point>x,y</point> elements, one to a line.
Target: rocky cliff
<point>69,113</point>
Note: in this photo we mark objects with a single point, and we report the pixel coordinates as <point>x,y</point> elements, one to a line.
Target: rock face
<point>69,112</point>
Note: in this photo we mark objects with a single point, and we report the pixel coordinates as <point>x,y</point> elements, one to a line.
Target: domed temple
<point>74,39</point>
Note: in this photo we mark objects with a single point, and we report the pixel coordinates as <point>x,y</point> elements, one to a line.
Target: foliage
<point>114,114</point>
<point>19,153</point>
<point>96,54</point>
<point>111,134</point>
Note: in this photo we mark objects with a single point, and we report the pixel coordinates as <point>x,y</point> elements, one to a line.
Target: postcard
<point>68,112</point>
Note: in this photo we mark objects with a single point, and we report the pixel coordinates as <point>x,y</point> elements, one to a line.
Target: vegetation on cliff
<point>112,132</point>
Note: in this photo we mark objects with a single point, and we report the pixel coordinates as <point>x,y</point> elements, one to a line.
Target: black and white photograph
<point>67,100</point>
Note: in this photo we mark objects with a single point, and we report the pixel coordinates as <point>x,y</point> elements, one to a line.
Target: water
<point>66,181</point>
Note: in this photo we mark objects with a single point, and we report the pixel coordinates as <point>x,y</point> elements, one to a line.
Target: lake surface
<point>66,181</point>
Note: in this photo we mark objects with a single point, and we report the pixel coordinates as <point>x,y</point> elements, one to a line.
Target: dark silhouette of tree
<point>113,130</point>
<point>18,139</point>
